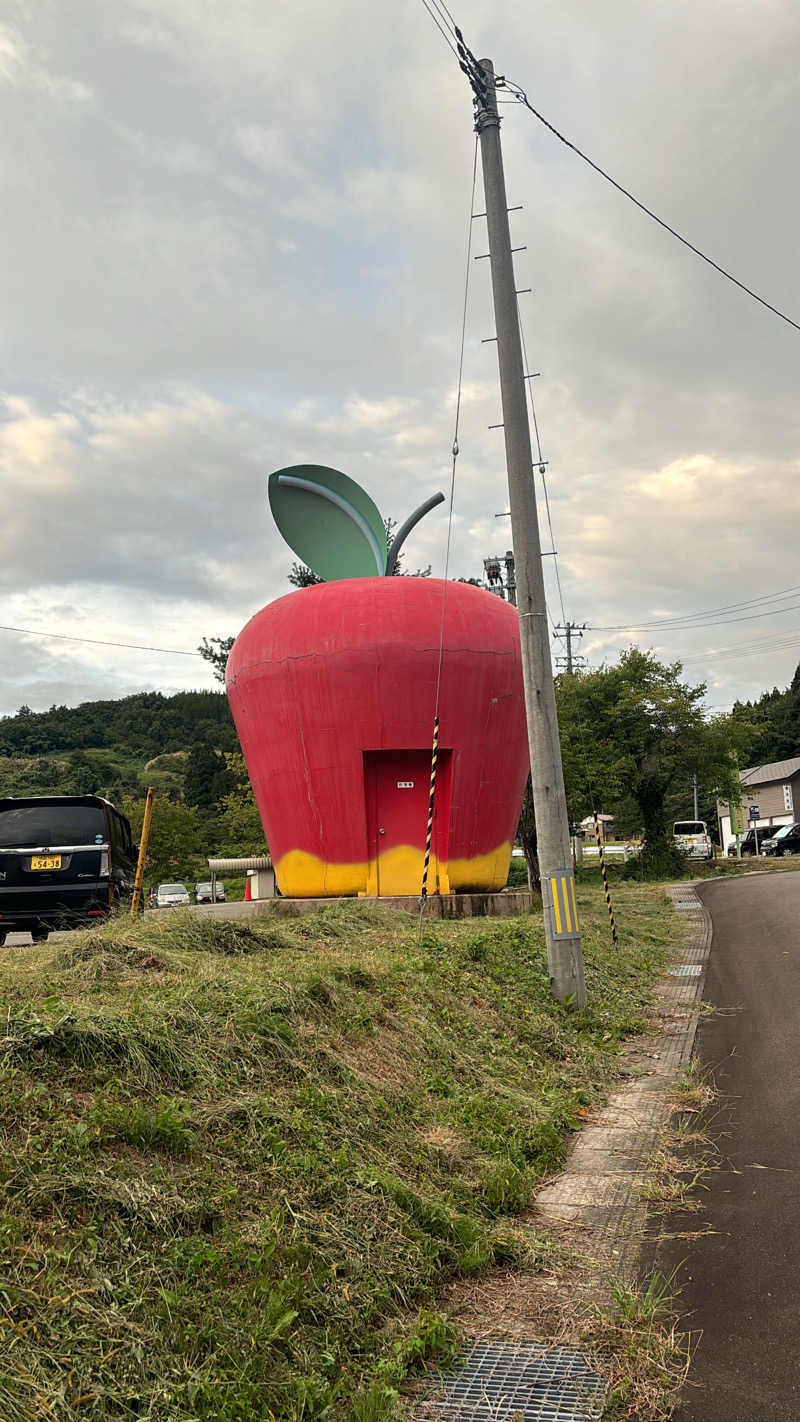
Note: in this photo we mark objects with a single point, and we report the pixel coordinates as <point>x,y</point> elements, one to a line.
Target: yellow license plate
<point>45,861</point>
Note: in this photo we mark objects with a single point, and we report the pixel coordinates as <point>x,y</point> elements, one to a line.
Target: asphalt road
<point>741,1285</point>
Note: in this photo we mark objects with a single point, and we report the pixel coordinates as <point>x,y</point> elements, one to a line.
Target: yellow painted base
<point>394,874</point>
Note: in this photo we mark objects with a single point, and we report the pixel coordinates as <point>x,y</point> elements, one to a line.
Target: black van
<point>65,861</point>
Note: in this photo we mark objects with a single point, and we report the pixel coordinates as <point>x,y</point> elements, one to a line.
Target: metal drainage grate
<point>526,1382</point>
<point>686,970</point>
<point>686,903</point>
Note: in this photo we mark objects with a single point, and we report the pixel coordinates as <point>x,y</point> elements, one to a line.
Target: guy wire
<point>543,474</point>
<point>455,451</point>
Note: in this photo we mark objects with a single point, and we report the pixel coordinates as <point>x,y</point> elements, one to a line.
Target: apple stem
<point>405,528</point>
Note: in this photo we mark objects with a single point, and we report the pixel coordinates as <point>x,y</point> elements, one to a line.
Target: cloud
<point>235,239</point>
<point>23,68</point>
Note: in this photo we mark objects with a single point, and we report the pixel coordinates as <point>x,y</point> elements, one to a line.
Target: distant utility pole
<point>694,788</point>
<point>571,629</point>
<point>562,929</point>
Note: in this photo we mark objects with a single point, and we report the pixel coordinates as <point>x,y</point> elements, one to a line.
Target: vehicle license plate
<point>45,861</point>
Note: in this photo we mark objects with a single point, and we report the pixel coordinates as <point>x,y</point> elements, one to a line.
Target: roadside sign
<point>755,813</point>
<point>737,819</point>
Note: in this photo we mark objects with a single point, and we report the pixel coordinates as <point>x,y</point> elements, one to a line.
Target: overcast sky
<point>234,238</point>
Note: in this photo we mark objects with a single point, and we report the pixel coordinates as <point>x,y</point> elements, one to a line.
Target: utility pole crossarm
<point>562,930</point>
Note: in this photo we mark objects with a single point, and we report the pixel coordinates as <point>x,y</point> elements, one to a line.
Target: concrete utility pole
<point>694,788</point>
<point>562,928</point>
<point>571,629</point>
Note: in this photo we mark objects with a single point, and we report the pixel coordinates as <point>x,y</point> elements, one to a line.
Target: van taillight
<point>105,864</point>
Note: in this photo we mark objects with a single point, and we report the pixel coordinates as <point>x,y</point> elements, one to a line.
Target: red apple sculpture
<point>333,691</point>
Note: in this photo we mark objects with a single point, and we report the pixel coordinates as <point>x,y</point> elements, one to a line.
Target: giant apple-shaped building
<point>333,689</point>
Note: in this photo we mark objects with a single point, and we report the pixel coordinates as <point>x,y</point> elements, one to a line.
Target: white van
<point>693,837</point>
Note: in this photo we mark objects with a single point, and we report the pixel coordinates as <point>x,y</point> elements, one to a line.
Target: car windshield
<point>689,827</point>
<point>198,887</point>
<point>781,833</point>
<point>33,825</point>
<point>172,889</point>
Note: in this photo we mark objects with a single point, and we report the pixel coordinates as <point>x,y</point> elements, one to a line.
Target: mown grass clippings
<point>686,1152</point>
<point>234,1186</point>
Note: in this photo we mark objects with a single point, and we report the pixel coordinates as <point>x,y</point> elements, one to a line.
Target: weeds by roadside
<point>686,1153</point>
<point>649,1358</point>
<point>239,1162</point>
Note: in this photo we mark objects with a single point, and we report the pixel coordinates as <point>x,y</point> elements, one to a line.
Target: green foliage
<point>770,726</point>
<point>113,748</point>
<point>216,651</point>
<point>236,1176</point>
<point>636,732</point>
<point>208,778</point>
<point>526,836</point>
<point>178,838</point>
<point>302,577</point>
<point>240,832</point>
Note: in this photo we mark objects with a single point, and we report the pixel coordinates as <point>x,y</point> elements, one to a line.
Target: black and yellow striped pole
<point>429,835</point>
<point>598,834</point>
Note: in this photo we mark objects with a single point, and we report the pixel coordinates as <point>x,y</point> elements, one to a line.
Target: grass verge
<point>242,1158</point>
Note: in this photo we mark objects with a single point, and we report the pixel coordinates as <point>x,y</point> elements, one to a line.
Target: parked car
<point>693,837</point>
<point>749,842</point>
<point>65,861</point>
<point>202,893</point>
<point>172,896</point>
<point>786,841</point>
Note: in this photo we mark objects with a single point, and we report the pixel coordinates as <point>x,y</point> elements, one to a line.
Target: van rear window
<point>30,826</point>
<point>689,827</point>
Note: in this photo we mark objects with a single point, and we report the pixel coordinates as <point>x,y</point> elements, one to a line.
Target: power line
<point>690,617</point>
<point>522,97</point>
<point>726,652</point>
<point>714,622</point>
<point>440,27</point>
<point>542,467</point>
<point>471,67</point>
<point>98,641</point>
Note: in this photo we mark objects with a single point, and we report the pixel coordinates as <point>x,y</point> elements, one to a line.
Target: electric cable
<point>99,641</point>
<point>522,98</point>
<point>440,27</point>
<point>691,617</point>
<point>471,67</point>
<point>455,453</point>
<point>716,622</point>
<point>542,468</point>
<point>455,450</point>
<point>543,475</point>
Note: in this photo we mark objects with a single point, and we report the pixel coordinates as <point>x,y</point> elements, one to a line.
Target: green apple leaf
<point>329,521</point>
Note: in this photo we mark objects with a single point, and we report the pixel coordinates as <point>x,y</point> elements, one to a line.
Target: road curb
<point>600,1191</point>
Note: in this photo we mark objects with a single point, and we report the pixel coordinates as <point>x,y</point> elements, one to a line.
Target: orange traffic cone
<point>247,892</point>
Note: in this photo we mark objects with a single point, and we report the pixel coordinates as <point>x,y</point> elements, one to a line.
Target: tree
<point>240,829</point>
<point>80,777</point>
<point>216,650</point>
<point>526,834</point>
<point>207,777</point>
<point>771,725</point>
<point>177,837</point>
<point>302,577</point>
<point>635,733</point>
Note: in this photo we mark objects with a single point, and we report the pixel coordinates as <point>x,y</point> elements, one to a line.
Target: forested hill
<point>111,745</point>
<point>773,722</point>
